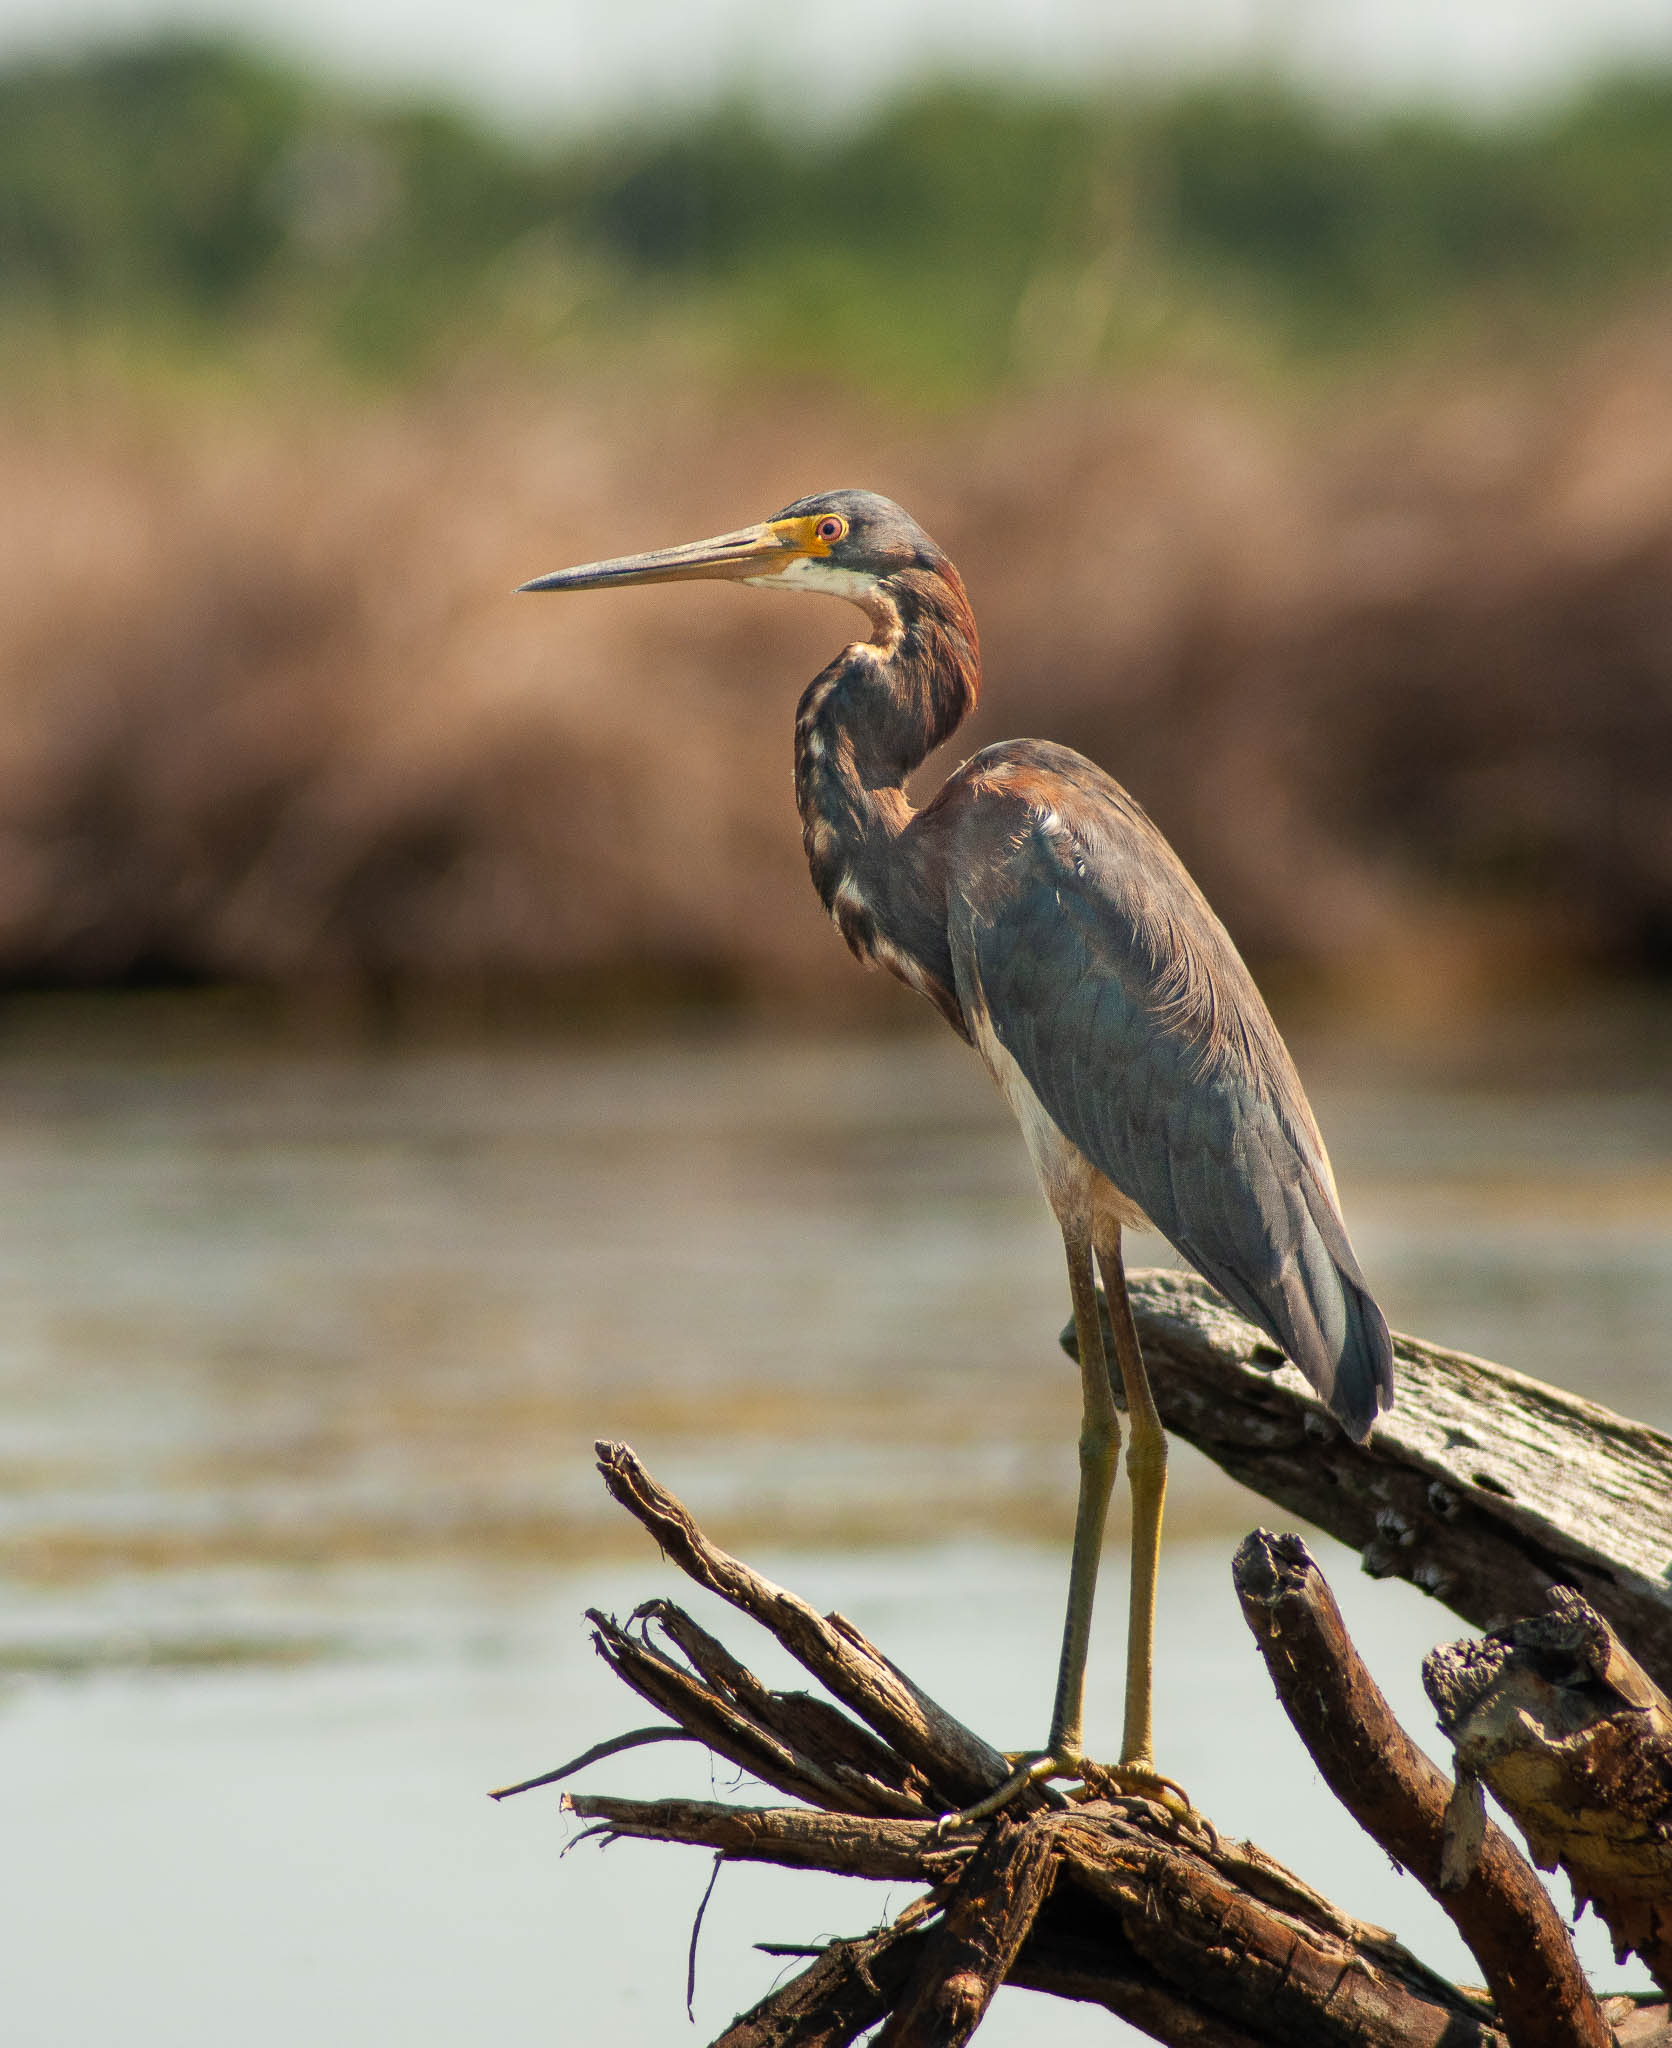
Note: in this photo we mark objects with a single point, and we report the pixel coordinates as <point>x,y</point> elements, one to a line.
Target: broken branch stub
<point>1575,1741</point>
<point>802,1745</point>
<point>974,1945</point>
<point>1401,1798</point>
<point>844,1992</point>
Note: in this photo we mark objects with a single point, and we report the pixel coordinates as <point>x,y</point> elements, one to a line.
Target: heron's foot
<point>1138,1781</point>
<point>1143,1781</point>
<point>1095,1780</point>
<point>1032,1767</point>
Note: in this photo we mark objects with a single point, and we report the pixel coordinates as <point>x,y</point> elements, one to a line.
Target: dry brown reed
<point>1393,669</point>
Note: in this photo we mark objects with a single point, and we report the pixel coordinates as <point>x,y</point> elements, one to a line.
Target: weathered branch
<point>1400,1798</point>
<point>1117,1902</point>
<point>1193,1939</point>
<point>794,1836</point>
<point>1482,1486</point>
<point>977,1939</point>
<point>1576,1743</point>
<point>956,1762</point>
<point>1214,1932</point>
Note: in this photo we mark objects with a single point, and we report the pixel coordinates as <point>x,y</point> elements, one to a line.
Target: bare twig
<point>635,1738</point>
<point>957,1762</point>
<point>696,1935</point>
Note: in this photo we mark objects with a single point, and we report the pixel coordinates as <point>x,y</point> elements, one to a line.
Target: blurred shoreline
<point>1392,677</point>
<point>1606,1037</point>
<point>1313,475</point>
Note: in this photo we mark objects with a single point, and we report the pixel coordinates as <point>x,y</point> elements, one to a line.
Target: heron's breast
<point>1082,1199</point>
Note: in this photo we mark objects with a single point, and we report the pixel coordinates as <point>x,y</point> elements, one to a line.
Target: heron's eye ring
<point>831,529</point>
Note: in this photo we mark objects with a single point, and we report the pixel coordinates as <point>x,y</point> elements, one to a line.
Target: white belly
<point>1085,1202</point>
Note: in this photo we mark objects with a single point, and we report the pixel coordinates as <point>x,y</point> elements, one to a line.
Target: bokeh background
<point>420,1051</point>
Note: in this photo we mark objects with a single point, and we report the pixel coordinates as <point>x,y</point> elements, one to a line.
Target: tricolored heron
<point>1035,905</point>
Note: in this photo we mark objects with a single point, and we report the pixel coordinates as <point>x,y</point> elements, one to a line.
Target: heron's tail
<point>1317,1307</point>
<point>1328,1322</point>
<point>1358,1378</point>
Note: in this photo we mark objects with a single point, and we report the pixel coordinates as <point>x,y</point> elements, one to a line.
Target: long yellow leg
<point>1146,1471</point>
<point>1099,1462</point>
<point>1062,1756</point>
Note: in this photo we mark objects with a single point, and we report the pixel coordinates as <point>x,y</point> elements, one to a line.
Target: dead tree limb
<point>1575,1741</point>
<point>1212,1934</point>
<point>1400,1798</point>
<point>846,1991</point>
<point>975,1943</point>
<point>801,1744</point>
<point>1121,1903</point>
<point>854,1984</point>
<point>1482,1486</point>
<point>956,1762</point>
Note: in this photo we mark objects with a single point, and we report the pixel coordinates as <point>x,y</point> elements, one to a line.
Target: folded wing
<point>1112,985</point>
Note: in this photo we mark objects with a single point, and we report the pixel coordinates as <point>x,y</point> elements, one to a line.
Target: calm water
<point>301,1360</point>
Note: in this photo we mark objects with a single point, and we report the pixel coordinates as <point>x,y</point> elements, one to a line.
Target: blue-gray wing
<point>1108,980</point>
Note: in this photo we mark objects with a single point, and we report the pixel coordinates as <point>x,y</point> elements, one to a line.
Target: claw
<point>1100,1781</point>
<point>1033,1767</point>
<point>1142,1781</point>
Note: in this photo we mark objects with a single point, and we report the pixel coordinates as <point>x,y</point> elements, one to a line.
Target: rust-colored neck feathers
<point>861,728</point>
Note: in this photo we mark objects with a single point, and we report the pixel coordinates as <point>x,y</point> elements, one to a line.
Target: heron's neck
<point>860,729</point>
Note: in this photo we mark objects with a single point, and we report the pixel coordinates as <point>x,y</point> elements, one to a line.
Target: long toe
<point>1033,1768</point>
<point>1144,1781</point>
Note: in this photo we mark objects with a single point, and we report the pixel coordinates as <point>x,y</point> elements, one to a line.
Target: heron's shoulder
<point>1027,768</point>
<point>1060,790</point>
<point>1029,811</point>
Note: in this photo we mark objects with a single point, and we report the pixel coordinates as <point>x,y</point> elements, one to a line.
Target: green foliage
<point>141,173</point>
<point>955,240</point>
<point>191,185</point>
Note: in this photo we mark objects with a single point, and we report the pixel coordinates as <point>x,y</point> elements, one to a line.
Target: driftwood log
<point>1103,1899</point>
<point>1575,1742</point>
<point>1481,1486</point>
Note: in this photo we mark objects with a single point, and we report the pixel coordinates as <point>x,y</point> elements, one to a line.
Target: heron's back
<point>1080,943</point>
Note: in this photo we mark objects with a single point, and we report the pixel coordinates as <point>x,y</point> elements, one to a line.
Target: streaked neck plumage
<point>861,727</point>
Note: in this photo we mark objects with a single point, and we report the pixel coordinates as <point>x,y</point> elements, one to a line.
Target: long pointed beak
<point>755,551</point>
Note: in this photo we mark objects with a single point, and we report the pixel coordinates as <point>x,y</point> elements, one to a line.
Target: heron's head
<point>843,543</point>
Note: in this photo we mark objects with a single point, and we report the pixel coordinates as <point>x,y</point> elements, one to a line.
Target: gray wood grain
<point>1483,1487</point>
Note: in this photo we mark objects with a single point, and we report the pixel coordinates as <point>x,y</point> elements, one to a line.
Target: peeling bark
<point>975,1944</point>
<point>1575,1741</point>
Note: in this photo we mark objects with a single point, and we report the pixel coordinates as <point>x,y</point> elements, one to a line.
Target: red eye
<point>831,529</point>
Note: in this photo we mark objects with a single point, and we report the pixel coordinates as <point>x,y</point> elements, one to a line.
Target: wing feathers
<point>1121,998</point>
